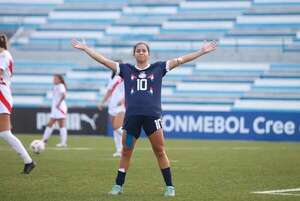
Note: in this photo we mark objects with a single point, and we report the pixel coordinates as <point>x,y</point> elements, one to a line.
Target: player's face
<point>141,53</point>
<point>55,80</point>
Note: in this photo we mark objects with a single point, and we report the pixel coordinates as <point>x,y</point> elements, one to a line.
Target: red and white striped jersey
<point>117,86</point>
<point>6,64</point>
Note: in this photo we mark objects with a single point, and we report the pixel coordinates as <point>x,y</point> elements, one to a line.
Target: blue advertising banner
<point>252,125</point>
<point>280,126</point>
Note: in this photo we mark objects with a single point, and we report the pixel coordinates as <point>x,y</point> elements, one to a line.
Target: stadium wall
<point>239,125</point>
<point>234,125</point>
<point>83,121</point>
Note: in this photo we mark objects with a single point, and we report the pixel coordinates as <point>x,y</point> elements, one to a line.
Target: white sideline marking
<point>280,192</point>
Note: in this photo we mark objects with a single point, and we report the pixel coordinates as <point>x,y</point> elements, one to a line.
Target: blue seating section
<point>203,86</point>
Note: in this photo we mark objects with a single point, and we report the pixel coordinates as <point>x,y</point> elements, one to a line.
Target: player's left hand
<point>209,46</point>
<point>79,45</point>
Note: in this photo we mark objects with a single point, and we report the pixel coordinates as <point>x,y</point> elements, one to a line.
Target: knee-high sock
<point>167,176</point>
<point>16,144</point>
<point>63,135</point>
<point>120,179</point>
<point>118,139</point>
<point>47,133</point>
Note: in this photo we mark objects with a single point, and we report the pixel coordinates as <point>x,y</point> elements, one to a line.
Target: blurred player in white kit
<point>58,111</point>
<point>114,99</point>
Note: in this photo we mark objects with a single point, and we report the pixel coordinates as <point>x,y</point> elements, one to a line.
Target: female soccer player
<point>6,104</point>
<point>143,104</point>
<point>114,98</point>
<point>58,111</point>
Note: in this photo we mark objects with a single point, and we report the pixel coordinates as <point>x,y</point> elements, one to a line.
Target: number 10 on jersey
<point>141,84</point>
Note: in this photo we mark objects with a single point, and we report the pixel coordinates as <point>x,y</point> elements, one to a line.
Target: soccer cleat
<point>29,167</point>
<point>61,145</point>
<point>116,190</point>
<point>169,191</point>
<point>117,154</point>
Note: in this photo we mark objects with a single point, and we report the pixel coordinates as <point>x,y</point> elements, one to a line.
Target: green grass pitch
<point>202,170</point>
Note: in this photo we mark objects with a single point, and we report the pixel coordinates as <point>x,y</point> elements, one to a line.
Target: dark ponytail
<point>3,41</point>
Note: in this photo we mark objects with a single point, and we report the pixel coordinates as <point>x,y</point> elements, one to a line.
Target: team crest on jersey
<point>142,75</point>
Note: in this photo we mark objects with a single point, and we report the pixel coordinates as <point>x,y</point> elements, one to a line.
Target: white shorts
<point>113,111</point>
<point>58,113</point>
<point>6,101</point>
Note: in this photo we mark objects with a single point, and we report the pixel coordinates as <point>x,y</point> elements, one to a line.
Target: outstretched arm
<point>95,55</point>
<point>206,48</point>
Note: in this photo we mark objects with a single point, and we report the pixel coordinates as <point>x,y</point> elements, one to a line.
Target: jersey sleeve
<point>163,65</point>
<point>119,69</point>
<point>62,88</point>
<point>123,70</point>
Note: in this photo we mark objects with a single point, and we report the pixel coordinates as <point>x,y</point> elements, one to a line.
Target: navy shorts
<point>133,125</point>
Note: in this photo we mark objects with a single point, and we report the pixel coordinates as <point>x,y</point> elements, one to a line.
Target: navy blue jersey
<point>143,88</point>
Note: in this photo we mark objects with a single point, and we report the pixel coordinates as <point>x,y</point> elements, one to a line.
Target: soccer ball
<point>37,146</point>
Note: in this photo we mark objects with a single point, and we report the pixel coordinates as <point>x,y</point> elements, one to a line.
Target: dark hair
<point>141,43</point>
<point>3,41</point>
<point>113,73</point>
<point>61,79</point>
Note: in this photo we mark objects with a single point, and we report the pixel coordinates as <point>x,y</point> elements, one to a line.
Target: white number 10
<point>141,84</point>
